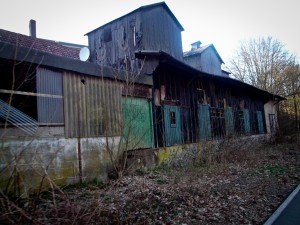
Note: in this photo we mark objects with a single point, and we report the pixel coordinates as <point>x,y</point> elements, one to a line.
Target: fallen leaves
<point>240,192</point>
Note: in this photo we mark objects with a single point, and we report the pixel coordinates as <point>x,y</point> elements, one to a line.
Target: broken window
<point>29,95</point>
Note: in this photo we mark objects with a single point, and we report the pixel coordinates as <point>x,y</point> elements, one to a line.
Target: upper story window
<point>107,36</point>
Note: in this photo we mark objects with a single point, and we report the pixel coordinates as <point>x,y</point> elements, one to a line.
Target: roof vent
<point>32,28</point>
<point>196,45</point>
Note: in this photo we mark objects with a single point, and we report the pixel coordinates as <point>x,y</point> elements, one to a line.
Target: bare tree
<point>263,63</point>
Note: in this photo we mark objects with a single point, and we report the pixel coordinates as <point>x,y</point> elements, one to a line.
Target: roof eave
<point>161,54</point>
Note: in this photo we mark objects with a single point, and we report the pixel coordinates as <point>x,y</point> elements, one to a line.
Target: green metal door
<point>204,122</point>
<point>172,124</point>
<point>137,127</point>
<point>260,122</point>
<point>246,121</point>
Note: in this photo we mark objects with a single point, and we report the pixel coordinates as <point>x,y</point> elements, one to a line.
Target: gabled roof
<point>200,50</point>
<point>38,44</point>
<point>142,8</point>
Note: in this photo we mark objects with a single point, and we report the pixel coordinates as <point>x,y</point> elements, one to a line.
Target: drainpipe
<point>154,112</point>
<point>79,160</point>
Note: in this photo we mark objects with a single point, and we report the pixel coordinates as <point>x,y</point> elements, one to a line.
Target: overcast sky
<point>221,22</point>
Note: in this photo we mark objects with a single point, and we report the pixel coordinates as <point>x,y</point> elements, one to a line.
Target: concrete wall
<point>24,161</point>
<point>270,108</point>
<point>183,156</point>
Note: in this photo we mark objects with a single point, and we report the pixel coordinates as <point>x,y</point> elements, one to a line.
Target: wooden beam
<point>30,93</point>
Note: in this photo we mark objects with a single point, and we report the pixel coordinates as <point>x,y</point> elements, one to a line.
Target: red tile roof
<point>38,44</point>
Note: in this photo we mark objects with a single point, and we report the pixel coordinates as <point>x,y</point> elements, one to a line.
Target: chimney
<point>32,28</point>
<point>196,45</point>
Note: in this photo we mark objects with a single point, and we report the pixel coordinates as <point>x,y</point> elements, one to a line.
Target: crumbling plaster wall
<point>270,108</point>
<point>28,162</point>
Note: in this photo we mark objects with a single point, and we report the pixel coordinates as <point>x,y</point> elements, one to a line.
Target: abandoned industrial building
<point>136,90</point>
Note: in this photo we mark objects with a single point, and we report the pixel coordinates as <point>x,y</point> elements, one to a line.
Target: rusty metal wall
<point>92,106</point>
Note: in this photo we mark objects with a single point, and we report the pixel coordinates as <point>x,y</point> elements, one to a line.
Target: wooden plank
<point>29,93</point>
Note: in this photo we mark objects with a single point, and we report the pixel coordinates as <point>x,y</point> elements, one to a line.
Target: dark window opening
<point>107,36</point>
<point>31,96</point>
<point>173,118</point>
<point>201,96</point>
<point>18,88</point>
<point>272,122</point>
<point>239,122</point>
<point>217,122</point>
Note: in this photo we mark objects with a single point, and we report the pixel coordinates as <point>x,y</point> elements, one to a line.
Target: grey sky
<point>221,22</point>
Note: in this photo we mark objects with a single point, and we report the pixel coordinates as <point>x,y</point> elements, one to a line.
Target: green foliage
<point>274,170</point>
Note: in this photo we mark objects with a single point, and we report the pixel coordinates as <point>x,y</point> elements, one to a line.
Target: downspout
<point>154,112</point>
<point>79,160</point>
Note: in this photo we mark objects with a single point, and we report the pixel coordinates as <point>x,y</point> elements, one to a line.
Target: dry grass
<point>241,186</point>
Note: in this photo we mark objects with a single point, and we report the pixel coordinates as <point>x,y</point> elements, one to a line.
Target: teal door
<point>172,125</point>
<point>260,122</point>
<point>204,122</point>
<point>246,121</point>
<point>137,127</point>
<point>229,123</point>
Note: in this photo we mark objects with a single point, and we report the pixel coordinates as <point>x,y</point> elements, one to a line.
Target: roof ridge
<point>163,4</point>
<point>40,44</point>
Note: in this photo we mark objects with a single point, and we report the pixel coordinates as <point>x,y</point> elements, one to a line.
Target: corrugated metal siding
<point>50,109</point>
<point>138,130</point>
<point>172,130</point>
<point>260,122</point>
<point>161,32</point>
<point>246,121</point>
<point>229,123</point>
<point>92,106</point>
<point>204,122</point>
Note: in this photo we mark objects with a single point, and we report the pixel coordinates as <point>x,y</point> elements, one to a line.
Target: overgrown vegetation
<point>238,186</point>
